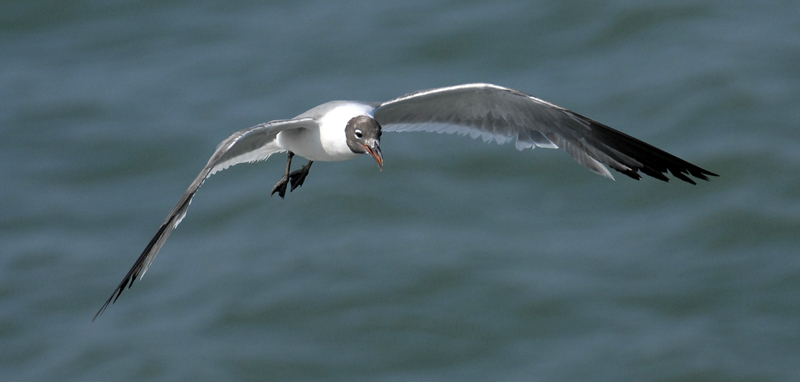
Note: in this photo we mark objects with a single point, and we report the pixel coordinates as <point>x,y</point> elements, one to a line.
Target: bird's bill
<point>374,150</point>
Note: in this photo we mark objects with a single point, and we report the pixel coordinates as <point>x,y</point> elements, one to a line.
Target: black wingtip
<point>135,271</point>
<point>639,155</point>
<point>115,295</point>
<point>683,177</point>
<point>654,173</point>
<point>110,301</point>
<point>701,173</point>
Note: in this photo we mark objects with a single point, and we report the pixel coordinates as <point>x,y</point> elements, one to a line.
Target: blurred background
<point>460,261</point>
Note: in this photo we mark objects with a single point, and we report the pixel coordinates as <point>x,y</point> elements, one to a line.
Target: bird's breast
<point>312,145</point>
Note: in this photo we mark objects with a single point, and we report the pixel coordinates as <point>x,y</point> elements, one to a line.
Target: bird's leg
<point>298,176</point>
<point>280,188</point>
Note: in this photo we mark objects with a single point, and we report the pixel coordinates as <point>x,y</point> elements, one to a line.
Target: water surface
<point>460,261</point>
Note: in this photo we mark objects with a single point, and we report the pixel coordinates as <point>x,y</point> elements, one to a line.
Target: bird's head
<point>364,137</point>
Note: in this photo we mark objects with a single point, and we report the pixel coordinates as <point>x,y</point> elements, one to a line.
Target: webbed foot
<point>299,176</point>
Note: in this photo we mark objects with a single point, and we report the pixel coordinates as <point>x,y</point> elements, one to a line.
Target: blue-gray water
<point>461,261</point>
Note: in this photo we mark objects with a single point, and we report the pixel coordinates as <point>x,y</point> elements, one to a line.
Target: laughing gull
<point>341,130</point>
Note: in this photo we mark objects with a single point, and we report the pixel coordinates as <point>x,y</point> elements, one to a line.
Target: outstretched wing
<point>501,114</point>
<point>249,145</point>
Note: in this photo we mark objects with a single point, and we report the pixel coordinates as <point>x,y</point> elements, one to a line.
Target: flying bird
<point>342,130</point>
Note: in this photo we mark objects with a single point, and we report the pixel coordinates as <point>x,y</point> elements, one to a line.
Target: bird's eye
<point>359,135</point>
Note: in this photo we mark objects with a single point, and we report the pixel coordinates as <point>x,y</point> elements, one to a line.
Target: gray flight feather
<point>503,115</point>
<point>248,145</point>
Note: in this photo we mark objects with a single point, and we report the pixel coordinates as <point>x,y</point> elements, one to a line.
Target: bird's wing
<point>501,114</point>
<point>248,145</point>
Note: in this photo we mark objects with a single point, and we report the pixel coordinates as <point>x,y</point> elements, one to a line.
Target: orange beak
<point>374,150</point>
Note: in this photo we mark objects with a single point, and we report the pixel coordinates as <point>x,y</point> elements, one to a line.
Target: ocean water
<point>460,261</point>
